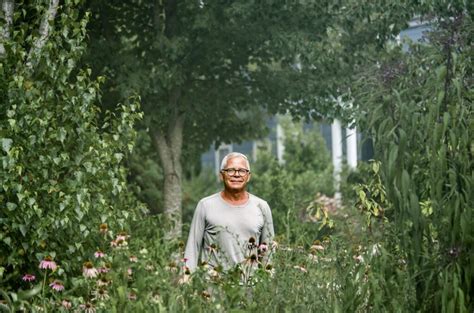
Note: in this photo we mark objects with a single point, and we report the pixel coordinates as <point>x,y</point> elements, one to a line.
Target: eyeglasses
<point>233,171</point>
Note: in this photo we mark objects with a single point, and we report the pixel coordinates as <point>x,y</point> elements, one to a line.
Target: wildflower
<point>185,279</point>
<point>122,236</point>
<point>88,307</point>
<point>66,304</point>
<point>100,294</point>
<point>129,271</point>
<point>143,251</point>
<point>149,267</point>
<point>132,296</point>
<point>275,245</point>
<point>103,228</point>
<point>155,297</point>
<point>376,249</point>
<point>172,267</point>
<point>359,258</point>
<point>103,269</point>
<point>119,242</point>
<point>99,254</point>
<point>212,249</point>
<point>103,281</point>
<point>313,257</point>
<point>270,270</point>
<point>57,285</point>
<point>133,259</point>
<point>301,268</point>
<point>251,243</point>
<point>263,248</point>
<point>89,271</point>
<point>48,263</point>
<point>317,247</point>
<point>206,295</point>
<point>28,277</point>
<point>252,259</point>
<point>205,265</point>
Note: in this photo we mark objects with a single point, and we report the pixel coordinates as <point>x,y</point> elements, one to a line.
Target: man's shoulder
<point>257,199</point>
<point>210,199</point>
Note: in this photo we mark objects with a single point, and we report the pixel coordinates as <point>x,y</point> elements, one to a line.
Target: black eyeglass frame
<point>242,171</point>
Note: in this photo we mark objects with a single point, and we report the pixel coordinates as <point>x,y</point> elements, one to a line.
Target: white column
<point>280,143</point>
<point>351,135</point>
<point>336,147</point>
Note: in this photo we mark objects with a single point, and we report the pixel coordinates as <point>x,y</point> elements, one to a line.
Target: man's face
<point>235,181</point>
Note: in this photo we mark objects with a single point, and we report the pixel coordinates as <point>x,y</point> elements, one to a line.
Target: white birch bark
<point>44,31</point>
<point>7,9</point>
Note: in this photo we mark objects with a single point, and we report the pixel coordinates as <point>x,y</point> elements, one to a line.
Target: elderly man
<point>231,226</point>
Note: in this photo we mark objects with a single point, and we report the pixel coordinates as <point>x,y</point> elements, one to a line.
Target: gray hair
<point>234,155</point>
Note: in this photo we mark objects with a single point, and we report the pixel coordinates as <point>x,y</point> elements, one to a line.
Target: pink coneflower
<point>263,248</point>
<point>48,263</point>
<point>122,236</point>
<point>89,271</point>
<point>101,282</point>
<point>119,243</point>
<point>103,269</point>
<point>251,244</point>
<point>133,259</point>
<point>317,247</point>
<point>66,304</point>
<point>28,277</point>
<point>129,271</point>
<point>57,286</point>
<point>172,267</point>
<point>99,254</point>
<point>100,294</point>
<point>103,228</point>
<point>88,307</point>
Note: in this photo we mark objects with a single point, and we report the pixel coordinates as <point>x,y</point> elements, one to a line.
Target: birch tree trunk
<point>169,146</point>
<point>7,9</point>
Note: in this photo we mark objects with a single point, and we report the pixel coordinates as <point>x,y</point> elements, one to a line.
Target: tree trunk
<point>169,146</point>
<point>7,9</point>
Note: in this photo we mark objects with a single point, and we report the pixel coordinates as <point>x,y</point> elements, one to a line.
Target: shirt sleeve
<point>195,238</point>
<point>267,231</point>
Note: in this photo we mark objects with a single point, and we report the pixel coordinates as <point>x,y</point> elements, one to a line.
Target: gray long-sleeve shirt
<point>220,232</point>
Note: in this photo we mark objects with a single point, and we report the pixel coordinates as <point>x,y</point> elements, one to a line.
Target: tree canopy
<point>205,69</point>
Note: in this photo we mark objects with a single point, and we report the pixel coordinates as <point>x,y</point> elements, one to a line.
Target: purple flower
<point>28,277</point>
<point>48,263</point>
<point>99,254</point>
<point>89,271</point>
<point>57,286</point>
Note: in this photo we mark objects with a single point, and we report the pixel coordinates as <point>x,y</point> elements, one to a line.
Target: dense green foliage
<point>61,166</point>
<point>417,106</point>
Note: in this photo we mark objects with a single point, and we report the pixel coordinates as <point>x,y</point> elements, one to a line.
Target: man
<point>231,226</point>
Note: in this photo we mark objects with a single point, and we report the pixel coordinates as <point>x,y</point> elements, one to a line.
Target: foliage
<point>142,274</point>
<point>295,188</point>
<point>62,173</point>
<point>417,106</point>
<point>145,174</point>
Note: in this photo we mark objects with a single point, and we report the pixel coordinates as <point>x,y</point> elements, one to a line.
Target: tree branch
<point>7,8</point>
<point>44,31</point>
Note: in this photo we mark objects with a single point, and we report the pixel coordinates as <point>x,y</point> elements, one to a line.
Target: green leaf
<point>27,294</point>
<point>6,144</point>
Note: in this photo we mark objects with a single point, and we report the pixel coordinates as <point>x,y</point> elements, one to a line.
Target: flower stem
<point>44,284</point>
